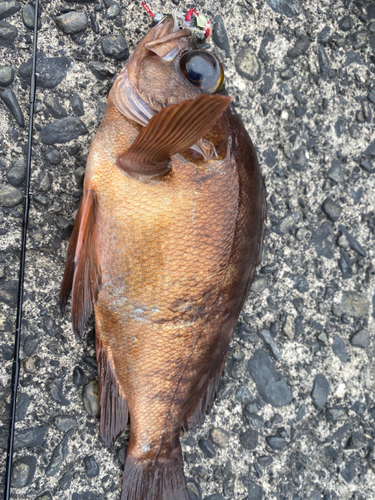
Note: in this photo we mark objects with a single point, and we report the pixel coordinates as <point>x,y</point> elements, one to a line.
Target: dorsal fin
<point>173,130</point>
<point>82,272</point>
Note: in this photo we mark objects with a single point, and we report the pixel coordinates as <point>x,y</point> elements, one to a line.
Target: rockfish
<point>164,249</point>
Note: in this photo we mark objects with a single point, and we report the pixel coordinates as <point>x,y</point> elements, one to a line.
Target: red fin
<point>86,280</point>
<point>113,407</point>
<point>173,130</point>
<point>203,403</point>
<point>67,282</point>
<point>163,480</point>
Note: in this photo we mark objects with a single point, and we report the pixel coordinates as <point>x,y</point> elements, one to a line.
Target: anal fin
<point>113,406</point>
<point>173,130</point>
<point>205,399</point>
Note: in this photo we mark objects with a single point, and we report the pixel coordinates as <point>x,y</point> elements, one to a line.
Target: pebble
<point>16,173</point>
<point>359,39</point>
<point>87,495</point>
<point>101,70</point>
<point>249,439</point>
<point>50,71</point>
<point>300,283</point>
<point>8,33</point>
<point>65,422</point>
<point>270,341</point>
<point>348,472</point>
<point>77,105</point>
<point>219,35</point>
<point>286,223</point>
<point>259,284</point>
<point>289,8</point>
<point>271,385</point>
<point>115,47</point>
<point>324,240</point>
<point>78,376</point>
<point>371,96</point>
<point>340,126</point>
<point>72,22</point>
<point>23,471</point>
<point>353,243</point>
<point>277,443</point>
<point>248,65</point>
<point>354,131</point>
<point>255,421</point>
<point>265,461</point>
<point>65,481</point>
<point>28,16</point>
<point>6,76</point>
<point>10,196</point>
<point>113,11</point>
<point>8,8</point>
<point>219,437</point>
<point>361,339</point>
<point>207,447</point>
<point>53,157</point>
<point>300,47</point>
<point>91,467</point>
<point>346,23</point>
<point>301,412</point>
<point>323,36</point>
<point>59,454</point>
<point>358,407</point>
<point>30,344</point>
<point>54,106</point>
<point>10,99</point>
<point>301,233</point>
<point>243,395</point>
<point>335,173</point>
<point>320,391</point>
<point>55,389</point>
<point>352,304</point>
<point>324,64</point>
<point>338,347</point>
<point>90,398</point>
<point>254,491</point>
<point>64,130</point>
<point>34,436</point>
<point>345,265</point>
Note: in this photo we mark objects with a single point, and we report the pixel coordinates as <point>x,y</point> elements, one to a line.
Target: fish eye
<point>203,70</point>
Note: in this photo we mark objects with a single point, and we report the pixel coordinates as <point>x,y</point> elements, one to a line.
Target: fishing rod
<point>25,218</point>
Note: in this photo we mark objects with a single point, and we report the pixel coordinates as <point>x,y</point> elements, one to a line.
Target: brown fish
<point>164,248</point>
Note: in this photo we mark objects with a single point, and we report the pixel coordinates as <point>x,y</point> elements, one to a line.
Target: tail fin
<point>163,480</point>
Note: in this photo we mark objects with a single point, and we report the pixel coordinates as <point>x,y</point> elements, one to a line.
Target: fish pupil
<point>203,70</point>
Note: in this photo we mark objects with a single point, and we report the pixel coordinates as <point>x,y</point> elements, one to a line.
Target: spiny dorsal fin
<point>82,272</point>
<point>173,130</point>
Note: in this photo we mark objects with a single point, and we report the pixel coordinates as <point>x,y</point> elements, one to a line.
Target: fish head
<point>167,67</point>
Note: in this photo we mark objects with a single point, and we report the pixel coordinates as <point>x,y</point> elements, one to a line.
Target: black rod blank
<point>26,208</point>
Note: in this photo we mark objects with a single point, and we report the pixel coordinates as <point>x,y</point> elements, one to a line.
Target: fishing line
<point>25,218</point>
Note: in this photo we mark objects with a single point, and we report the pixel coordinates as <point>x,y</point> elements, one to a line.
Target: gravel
<point>300,371</point>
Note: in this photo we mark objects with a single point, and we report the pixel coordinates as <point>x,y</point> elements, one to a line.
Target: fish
<point>164,249</point>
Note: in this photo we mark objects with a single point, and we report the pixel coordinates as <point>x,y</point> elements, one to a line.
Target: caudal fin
<point>164,480</point>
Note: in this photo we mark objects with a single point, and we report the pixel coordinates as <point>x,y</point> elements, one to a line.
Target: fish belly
<point>169,301</point>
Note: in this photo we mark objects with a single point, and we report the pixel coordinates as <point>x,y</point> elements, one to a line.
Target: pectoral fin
<point>173,130</point>
<point>82,273</point>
